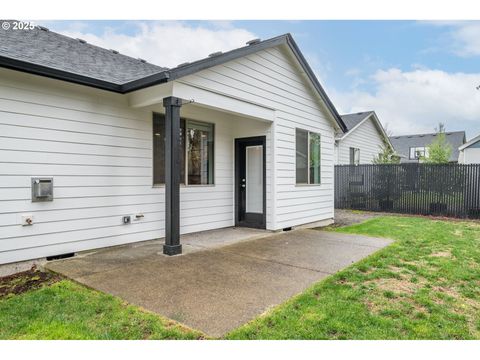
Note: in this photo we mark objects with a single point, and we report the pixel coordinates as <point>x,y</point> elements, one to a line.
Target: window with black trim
<point>197,157</point>
<point>307,157</point>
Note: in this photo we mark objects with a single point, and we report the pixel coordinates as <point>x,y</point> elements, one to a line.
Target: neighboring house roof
<point>46,53</point>
<point>475,142</point>
<point>402,144</point>
<point>353,121</point>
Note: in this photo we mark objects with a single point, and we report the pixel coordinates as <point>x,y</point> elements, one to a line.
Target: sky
<point>413,74</point>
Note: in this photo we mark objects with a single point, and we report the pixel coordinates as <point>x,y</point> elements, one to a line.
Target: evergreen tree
<point>439,150</point>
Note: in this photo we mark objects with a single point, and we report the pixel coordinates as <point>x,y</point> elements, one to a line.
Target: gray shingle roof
<point>402,144</point>
<point>53,50</point>
<point>352,120</point>
<point>57,56</point>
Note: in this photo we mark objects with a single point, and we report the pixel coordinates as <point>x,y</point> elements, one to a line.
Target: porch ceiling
<point>200,97</point>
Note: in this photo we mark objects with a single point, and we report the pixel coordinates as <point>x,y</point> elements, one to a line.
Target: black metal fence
<point>444,190</point>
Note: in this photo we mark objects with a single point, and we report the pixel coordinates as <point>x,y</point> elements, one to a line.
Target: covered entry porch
<point>212,159</point>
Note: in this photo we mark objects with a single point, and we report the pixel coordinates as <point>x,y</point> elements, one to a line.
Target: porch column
<point>173,150</point>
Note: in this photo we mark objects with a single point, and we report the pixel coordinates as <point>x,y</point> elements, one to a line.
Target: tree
<point>387,156</point>
<point>439,150</point>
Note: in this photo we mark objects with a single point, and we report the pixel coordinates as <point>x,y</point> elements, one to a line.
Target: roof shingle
<point>352,120</point>
<point>47,48</point>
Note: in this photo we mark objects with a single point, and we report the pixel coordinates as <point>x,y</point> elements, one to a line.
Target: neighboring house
<point>251,144</point>
<point>470,152</point>
<point>363,140</point>
<point>412,148</point>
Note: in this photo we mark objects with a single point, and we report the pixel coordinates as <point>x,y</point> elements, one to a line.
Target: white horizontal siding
<point>367,138</point>
<point>471,155</point>
<point>272,78</point>
<point>99,152</point>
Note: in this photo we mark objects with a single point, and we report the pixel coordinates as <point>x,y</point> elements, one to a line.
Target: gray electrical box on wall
<point>42,189</point>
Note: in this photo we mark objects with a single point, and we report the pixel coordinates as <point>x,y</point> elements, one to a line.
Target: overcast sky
<point>413,74</point>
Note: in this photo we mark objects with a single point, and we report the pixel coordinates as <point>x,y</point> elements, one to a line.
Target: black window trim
<point>308,183</point>
<point>184,183</point>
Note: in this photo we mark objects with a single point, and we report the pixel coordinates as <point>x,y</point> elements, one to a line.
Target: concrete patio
<point>225,277</point>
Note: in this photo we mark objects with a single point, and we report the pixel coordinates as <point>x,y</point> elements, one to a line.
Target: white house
<point>469,153</point>
<point>362,141</point>
<point>89,137</point>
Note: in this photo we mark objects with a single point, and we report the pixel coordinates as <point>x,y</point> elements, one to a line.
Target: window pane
<point>159,149</point>
<point>301,156</point>
<point>352,156</point>
<point>412,153</point>
<point>314,158</point>
<point>200,153</point>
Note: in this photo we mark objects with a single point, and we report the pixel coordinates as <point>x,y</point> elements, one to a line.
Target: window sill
<point>183,186</point>
<point>306,185</point>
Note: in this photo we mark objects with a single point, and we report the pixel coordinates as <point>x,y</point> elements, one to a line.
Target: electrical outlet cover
<point>27,219</point>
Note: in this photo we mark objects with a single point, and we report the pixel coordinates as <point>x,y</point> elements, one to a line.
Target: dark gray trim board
<point>172,244</point>
<point>52,73</point>
<point>240,144</point>
<point>178,72</point>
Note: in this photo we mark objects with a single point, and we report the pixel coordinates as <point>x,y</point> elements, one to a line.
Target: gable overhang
<point>372,115</point>
<point>181,71</point>
<point>470,143</point>
<point>202,97</point>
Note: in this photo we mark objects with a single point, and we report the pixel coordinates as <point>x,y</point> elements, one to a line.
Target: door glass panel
<point>254,179</point>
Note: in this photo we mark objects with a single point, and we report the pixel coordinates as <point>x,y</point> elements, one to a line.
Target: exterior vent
<point>114,51</point>
<point>142,60</point>
<point>183,64</point>
<point>81,41</point>
<point>253,42</point>
<point>43,28</point>
<point>215,54</point>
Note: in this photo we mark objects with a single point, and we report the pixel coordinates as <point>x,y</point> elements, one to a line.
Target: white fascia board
<point>378,125</point>
<point>354,128</point>
<point>469,143</point>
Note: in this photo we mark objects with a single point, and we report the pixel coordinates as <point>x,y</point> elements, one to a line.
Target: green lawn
<point>424,286</point>
<point>66,310</point>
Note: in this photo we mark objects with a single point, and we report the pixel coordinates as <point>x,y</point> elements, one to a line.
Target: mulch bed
<point>25,281</point>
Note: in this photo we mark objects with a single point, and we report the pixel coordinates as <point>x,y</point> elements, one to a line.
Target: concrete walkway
<point>216,288</point>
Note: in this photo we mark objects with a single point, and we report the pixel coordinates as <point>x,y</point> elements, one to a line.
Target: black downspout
<point>173,150</point>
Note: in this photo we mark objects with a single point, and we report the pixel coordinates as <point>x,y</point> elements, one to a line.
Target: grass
<point>424,286</point>
<point>66,310</point>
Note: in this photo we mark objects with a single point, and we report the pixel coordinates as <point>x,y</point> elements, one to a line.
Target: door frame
<point>238,142</point>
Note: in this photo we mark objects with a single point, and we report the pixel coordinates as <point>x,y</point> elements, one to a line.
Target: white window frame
<point>355,152</point>
<point>416,149</point>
